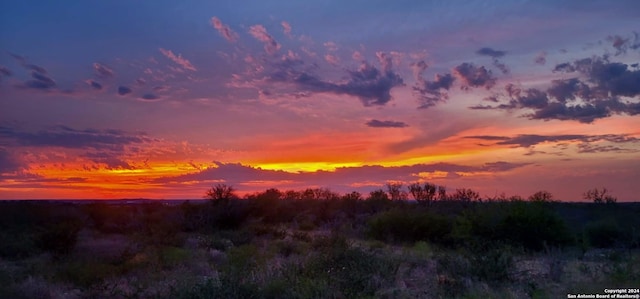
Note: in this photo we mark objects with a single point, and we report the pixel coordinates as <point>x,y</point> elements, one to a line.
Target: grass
<point>448,249</point>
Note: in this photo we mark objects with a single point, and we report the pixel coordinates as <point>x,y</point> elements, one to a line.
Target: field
<point>318,244</point>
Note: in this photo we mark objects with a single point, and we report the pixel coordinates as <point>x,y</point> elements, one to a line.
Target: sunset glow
<point>163,99</point>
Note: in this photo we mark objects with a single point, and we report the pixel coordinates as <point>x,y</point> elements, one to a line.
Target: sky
<point>164,99</point>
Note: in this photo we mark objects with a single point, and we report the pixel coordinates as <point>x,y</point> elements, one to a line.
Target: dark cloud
<point>568,89</point>
<point>40,81</point>
<point>102,71</point>
<point>491,52</point>
<point>5,72</point>
<point>584,113</point>
<point>474,76</point>
<point>124,90</point>
<point>541,58</point>
<point>24,63</point>
<point>529,140</point>
<point>109,159</point>
<point>501,66</point>
<point>530,98</point>
<point>495,54</point>
<point>149,96</point>
<point>367,83</point>
<point>372,86</point>
<point>430,93</point>
<point>598,91</point>
<point>622,44</point>
<point>94,84</point>
<point>61,136</point>
<point>386,124</point>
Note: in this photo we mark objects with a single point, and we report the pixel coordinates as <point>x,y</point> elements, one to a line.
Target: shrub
<point>17,244</point>
<point>600,196</point>
<point>533,226</point>
<point>409,226</point>
<point>604,233</point>
<point>59,239</point>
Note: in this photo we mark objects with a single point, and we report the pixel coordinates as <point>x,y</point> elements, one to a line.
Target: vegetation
<point>418,242</point>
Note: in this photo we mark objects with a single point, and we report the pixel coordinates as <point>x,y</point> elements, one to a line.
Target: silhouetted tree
<point>221,193</point>
<point>600,196</point>
<point>541,196</point>
<point>423,194</point>
<point>396,192</point>
<point>466,195</point>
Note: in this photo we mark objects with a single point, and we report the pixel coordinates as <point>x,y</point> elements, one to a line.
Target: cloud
<point>124,90</point>
<point>331,46</point>
<point>540,58</point>
<point>8,163</point>
<point>150,97</point>
<point>260,33</point>
<point>332,59</point>
<point>224,30</point>
<point>529,140</point>
<point>495,54</point>
<point>41,81</point>
<point>24,63</point>
<point>490,52</point>
<point>374,123</point>
<point>184,63</point>
<point>5,72</point>
<point>102,71</point>
<point>343,177</point>
<point>433,92</point>
<point>94,84</point>
<point>622,45</point>
<point>368,83</point>
<point>110,159</point>
<point>65,137</point>
<point>474,76</point>
<point>286,27</point>
<point>600,89</point>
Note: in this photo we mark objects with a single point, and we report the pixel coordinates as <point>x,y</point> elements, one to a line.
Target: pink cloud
<point>224,30</point>
<point>331,46</point>
<point>287,29</point>
<point>260,33</point>
<point>184,63</point>
<point>332,59</point>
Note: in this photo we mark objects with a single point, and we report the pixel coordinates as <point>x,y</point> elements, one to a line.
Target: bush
<point>604,233</point>
<point>533,226</point>
<point>59,239</point>
<point>409,226</point>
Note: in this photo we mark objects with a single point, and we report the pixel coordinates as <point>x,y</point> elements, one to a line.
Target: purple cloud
<point>374,123</point>
<point>491,52</point>
<point>474,76</point>
<point>224,30</point>
<point>271,46</point>
<point>102,71</point>
<point>65,137</point>
<point>184,63</point>
<point>529,140</point>
<point>124,90</point>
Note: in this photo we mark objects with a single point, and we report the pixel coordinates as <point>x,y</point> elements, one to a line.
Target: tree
<point>396,192</point>
<point>378,195</point>
<point>423,194</point>
<point>600,196</point>
<point>541,196</point>
<point>221,193</point>
<point>467,195</point>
